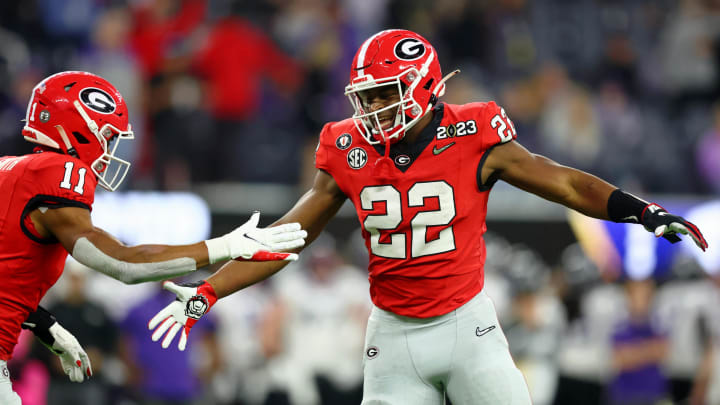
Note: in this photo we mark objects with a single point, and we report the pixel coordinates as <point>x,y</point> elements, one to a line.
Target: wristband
<point>217,250</point>
<point>625,207</point>
<point>39,323</point>
<point>200,303</point>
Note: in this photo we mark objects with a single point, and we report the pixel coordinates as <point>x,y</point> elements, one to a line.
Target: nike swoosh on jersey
<point>437,151</point>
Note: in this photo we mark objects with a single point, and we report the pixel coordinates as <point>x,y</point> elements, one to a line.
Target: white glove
<point>73,358</point>
<point>248,242</point>
<point>193,301</point>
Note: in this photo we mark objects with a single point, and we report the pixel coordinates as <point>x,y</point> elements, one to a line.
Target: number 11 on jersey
<point>65,183</point>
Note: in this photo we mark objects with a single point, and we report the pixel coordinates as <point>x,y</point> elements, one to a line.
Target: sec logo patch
<point>357,158</point>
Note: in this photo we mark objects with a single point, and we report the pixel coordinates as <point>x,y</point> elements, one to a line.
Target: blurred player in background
<point>419,172</point>
<point>78,119</point>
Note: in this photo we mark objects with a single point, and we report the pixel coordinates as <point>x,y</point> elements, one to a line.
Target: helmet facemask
<point>109,169</point>
<point>407,111</point>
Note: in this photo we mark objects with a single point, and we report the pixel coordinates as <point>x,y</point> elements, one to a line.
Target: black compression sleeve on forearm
<point>39,323</point>
<point>625,207</point>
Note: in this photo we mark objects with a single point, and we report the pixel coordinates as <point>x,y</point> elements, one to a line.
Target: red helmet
<point>82,115</point>
<point>401,58</point>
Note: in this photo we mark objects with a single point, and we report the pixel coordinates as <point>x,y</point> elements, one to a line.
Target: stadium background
<point>227,99</point>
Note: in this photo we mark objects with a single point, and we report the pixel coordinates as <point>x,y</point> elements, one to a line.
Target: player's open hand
<point>193,301</point>
<point>248,242</point>
<point>74,360</point>
<point>660,222</point>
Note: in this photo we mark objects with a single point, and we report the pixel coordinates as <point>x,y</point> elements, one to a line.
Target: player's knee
<point>506,386</point>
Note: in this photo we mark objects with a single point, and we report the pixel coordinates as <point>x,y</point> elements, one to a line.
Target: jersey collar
<point>409,152</point>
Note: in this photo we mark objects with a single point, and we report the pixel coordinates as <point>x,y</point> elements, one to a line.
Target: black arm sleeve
<point>39,323</point>
<point>625,207</point>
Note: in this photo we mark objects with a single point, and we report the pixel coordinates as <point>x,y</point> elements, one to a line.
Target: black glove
<point>658,221</point>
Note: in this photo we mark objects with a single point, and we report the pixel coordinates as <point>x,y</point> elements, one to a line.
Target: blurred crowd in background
<point>237,90</point>
<point>223,90</point>
<point>580,336</point>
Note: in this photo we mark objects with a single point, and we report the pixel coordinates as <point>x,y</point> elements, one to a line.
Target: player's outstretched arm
<point>583,192</point>
<point>49,332</point>
<point>101,251</point>
<point>312,211</point>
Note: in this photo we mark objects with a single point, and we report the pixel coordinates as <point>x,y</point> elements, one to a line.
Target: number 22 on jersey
<point>501,124</point>
<point>395,212</point>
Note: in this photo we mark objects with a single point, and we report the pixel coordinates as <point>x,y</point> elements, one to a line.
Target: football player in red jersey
<point>418,172</point>
<point>77,119</point>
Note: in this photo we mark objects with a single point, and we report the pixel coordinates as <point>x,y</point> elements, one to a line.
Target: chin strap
<point>439,89</point>
<point>92,125</point>
<point>70,150</point>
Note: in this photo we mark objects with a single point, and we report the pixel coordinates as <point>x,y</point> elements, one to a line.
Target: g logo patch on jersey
<point>409,49</point>
<point>402,160</point>
<point>357,158</point>
<point>97,100</point>
<point>343,141</point>
<point>372,352</point>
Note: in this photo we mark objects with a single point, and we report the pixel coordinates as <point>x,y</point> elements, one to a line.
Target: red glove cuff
<point>200,303</point>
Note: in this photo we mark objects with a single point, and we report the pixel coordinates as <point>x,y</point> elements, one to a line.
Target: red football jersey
<point>423,216</point>
<point>29,264</point>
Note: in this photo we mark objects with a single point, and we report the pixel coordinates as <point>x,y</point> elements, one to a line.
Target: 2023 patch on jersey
<point>423,224</point>
<point>29,264</point>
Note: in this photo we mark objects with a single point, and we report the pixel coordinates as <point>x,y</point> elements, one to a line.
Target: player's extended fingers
<point>678,227</point>
<point>291,241</point>
<point>294,237</point>
<point>160,331</point>
<point>180,291</point>
<point>171,335</point>
<point>86,366</point>
<point>697,236</point>
<point>660,230</point>
<point>159,317</point>
<point>74,369</point>
<point>183,340</point>
<point>76,374</point>
<point>251,223</point>
<point>285,228</point>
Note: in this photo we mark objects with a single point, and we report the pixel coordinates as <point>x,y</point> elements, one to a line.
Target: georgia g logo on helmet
<point>409,49</point>
<point>97,100</point>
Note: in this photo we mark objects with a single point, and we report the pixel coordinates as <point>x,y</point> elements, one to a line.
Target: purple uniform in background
<point>644,384</point>
<point>167,374</point>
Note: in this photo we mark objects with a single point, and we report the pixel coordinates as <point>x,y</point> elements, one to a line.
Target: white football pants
<point>464,353</point>
<point>7,395</point>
